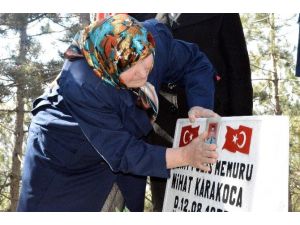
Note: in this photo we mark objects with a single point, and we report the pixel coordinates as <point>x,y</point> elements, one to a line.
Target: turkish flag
<point>188,133</point>
<point>238,139</point>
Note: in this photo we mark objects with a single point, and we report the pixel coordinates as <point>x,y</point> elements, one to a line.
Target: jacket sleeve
<point>189,67</point>
<point>102,126</point>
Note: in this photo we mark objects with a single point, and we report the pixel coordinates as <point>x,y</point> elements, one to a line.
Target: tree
<point>22,76</point>
<point>276,90</point>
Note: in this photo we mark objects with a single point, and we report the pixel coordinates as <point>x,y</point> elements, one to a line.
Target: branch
<point>148,199</point>
<point>13,111</point>
<point>60,23</point>
<point>5,184</point>
<point>45,33</point>
<point>5,196</point>
<point>6,128</point>
<point>4,30</point>
<point>11,85</point>
<point>37,18</point>
<point>262,68</point>
<point>6,59</point>
<point>8,110</point>
<point>265,79</point>
<point>7,80</point>
<point>272,80</point>
<point>258,21</point>
<point>50,79</point>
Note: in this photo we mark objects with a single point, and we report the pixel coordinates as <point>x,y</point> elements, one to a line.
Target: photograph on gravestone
<point>251,173</point>
<point>213,126</point>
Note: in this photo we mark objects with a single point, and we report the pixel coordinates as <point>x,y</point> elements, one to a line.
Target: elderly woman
<point>88,130</point>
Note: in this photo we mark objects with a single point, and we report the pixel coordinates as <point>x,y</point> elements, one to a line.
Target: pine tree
<point>276,90</point>
<point>22,76</point>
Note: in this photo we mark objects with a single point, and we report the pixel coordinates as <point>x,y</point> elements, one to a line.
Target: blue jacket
<point>85,135</point>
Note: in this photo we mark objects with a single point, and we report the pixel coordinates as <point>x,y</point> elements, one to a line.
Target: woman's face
<point>137,75</point>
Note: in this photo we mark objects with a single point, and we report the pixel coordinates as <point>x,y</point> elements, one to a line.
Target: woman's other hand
<point>198,112</point>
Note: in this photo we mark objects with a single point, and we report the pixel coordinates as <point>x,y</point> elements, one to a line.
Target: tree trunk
<point>18,130</point>
<point>17,153</point>
<point>274,56</point>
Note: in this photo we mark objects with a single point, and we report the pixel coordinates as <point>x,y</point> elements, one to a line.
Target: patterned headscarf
<point>113,45</point>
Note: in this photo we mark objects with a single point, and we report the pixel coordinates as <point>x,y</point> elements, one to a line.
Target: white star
<point>191,137</point>
<point>235,138</point>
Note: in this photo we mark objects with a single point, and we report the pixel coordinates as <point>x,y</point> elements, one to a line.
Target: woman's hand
<point>197,154</point>
<point>198,112</point>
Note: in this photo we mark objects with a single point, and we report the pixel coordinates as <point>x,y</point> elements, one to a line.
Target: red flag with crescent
<point>188,133</point>
<point>238,139</point>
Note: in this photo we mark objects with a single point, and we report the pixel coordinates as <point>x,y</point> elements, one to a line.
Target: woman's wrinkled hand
<point>199,154</point>
<point>198,112</point>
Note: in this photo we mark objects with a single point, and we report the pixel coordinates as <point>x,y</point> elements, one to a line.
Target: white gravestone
<point>251,173</point>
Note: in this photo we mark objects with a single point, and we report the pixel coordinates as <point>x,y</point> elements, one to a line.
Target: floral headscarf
<point>111,46</point>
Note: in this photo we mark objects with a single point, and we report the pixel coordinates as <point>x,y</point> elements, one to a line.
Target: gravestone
<point>251,173</point>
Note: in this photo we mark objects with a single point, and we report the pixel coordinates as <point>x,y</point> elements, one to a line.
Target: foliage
<point>23,75</point>
<point>5,155</point>
<point>272,65</point>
